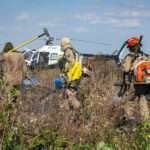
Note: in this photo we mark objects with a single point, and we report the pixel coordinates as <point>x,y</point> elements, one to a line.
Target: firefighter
<point>8,46</point>
<point>71,57</point>
<point>14,68</point>
<point>70,54</point>
<point>134,46</point>
<point>72,71</point>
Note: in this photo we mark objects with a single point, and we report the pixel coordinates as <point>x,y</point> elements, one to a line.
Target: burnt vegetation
<point>38,118</point>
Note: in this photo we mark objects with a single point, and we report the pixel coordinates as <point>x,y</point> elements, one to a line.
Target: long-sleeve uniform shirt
<point>73,68</point>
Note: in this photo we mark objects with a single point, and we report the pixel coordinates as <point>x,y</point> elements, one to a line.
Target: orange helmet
<point>133,41</point>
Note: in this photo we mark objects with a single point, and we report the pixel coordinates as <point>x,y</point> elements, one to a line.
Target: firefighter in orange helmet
<point>134,46</point>
<point>134,91</point>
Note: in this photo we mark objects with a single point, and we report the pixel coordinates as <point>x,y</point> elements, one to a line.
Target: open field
<point>38,119</point>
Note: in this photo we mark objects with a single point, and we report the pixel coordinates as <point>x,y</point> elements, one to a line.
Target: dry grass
<point>42,108</point>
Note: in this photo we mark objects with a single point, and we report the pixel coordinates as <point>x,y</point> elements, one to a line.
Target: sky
<point>101,21</point>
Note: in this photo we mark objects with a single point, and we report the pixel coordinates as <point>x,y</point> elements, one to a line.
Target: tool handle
<point>23,44</point>
<point>141,38</point>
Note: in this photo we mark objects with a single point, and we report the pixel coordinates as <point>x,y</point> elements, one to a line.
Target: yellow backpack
<point>75,72</point>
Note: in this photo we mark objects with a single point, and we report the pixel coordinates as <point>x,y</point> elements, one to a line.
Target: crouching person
<point>71,72</point>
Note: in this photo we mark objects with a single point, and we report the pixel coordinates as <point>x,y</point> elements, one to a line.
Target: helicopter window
<point>43,58</point>
<point>35,56</point>
<point>28,55</point>
<point>53,56</point>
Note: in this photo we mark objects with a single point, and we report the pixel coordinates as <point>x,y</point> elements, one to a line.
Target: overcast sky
<point>106,21</point>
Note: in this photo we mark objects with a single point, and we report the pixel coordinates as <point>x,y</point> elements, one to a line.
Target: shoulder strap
<point>76,53</point>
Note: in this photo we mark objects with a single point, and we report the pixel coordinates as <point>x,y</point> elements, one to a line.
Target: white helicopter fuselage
<point>51,54</point>
<point>45,55</point>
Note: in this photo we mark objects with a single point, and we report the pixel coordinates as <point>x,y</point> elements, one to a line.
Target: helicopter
<point>49,54</point>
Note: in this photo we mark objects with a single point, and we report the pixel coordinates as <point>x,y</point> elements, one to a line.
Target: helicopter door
<point>43,59</point>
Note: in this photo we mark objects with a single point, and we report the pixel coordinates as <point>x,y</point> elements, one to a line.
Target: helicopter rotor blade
<point>88,42</point>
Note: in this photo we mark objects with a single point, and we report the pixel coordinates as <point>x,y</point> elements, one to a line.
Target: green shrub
<point>48,139</point>
<point>143,136</point>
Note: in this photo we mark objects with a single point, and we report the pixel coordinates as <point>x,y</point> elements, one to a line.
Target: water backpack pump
<point>74,73</point>
<point>59,82</point>
<point>142,71</point>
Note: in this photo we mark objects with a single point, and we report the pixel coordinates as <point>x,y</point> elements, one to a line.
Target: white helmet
<point>66,42</point>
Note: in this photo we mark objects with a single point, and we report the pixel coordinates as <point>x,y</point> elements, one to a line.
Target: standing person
<point>70,54</point>
<point>72,67</point>
<point>134,45</point>
<point>72,71</point>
